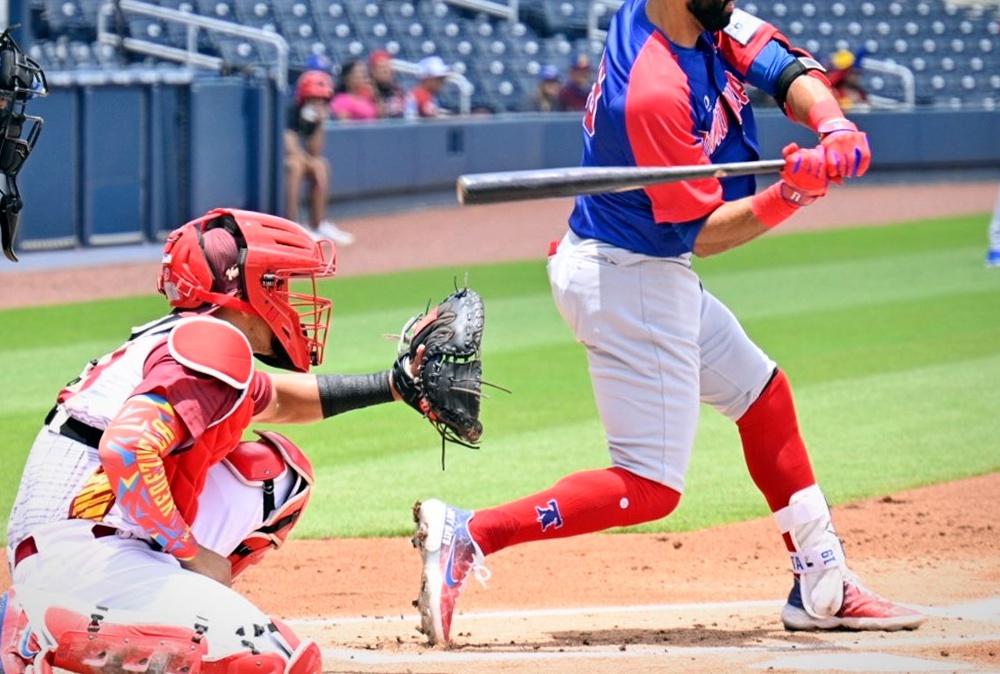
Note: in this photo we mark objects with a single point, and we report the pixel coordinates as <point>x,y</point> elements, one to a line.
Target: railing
<point>194,22</point>
<point>465,87</point>
<point>507,10</point>
<point>870,65</point>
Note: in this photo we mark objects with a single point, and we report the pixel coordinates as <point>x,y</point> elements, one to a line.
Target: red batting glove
<point>804,178</point>
<point>803,181</point>
<point>847,152</point>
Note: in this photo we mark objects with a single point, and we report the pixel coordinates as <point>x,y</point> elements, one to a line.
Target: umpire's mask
<point>21,79</point>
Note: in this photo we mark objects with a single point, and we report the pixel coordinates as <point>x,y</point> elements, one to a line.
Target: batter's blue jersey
<point>657,104</point>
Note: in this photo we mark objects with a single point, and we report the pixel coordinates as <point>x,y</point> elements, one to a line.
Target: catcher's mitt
<point>448,386</point>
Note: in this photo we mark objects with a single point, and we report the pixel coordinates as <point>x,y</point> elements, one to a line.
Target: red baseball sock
<point>577,504</point>
<point>774,450</point>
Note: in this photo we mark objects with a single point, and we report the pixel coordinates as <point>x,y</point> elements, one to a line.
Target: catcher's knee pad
<point>89,645</point>
<point>818,558</point>
<point>259,463</point>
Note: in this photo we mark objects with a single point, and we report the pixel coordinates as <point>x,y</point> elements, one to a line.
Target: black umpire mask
<point>21,79</point>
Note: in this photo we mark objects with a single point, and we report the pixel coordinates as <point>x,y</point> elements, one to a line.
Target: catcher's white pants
<point>138,586</point>
<point>657,344</point>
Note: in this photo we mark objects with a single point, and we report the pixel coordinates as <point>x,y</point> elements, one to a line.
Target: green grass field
<point>890,336</point>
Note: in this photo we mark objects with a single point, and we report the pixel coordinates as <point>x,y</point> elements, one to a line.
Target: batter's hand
<point>804,178</point>
<point>210,564</point>
<point>846,148</point>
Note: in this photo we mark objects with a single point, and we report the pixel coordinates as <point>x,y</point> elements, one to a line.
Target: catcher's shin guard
<point>818,556</point>
<point>89,645</point>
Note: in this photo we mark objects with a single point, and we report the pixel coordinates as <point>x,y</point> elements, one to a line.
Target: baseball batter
<point>140,500</point>
<point>671,89</point>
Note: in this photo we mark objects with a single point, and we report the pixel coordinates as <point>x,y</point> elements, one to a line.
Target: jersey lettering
<point>735,98</point>
<point>595,95</point>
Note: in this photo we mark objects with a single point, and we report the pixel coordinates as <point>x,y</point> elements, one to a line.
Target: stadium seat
<point>216,9</point>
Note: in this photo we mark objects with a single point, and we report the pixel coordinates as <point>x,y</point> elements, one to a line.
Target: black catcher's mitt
<point>448,387</point>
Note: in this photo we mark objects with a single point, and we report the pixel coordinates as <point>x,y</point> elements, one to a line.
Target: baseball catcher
<point>21,79</point>
<point>445,344</point>
<point>140,500</point>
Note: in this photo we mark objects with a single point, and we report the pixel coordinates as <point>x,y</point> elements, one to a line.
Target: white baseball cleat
<point>861,610</point>
<point>449,556</point>
<point>328,230</point>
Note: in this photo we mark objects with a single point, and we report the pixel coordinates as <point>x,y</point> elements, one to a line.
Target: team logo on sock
<point>549,517</point>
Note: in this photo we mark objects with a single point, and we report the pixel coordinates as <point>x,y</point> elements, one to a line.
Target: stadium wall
<point>126,163</point>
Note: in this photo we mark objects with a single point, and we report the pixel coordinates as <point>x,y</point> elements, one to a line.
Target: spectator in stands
<point>574,93</point>
<point>845,78</point>
<point>389,95</point>
<point>545,97</point>
<point>422,100</point>
<point>304,160</point>
<point>354,97</point>
<point>993,254</point>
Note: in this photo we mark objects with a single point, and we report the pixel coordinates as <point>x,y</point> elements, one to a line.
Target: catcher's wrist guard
<point>339,393</point>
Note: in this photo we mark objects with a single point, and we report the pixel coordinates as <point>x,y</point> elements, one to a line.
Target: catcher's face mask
<point>21,79</point>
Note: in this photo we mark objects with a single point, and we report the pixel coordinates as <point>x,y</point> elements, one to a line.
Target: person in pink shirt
<point>354,98</point>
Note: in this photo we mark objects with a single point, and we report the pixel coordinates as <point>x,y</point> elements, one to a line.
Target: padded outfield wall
<point>126,162</point>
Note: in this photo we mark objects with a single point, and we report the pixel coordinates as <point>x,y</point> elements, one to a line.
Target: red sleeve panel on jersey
<point>261,391</point>
<point>744,38</point>
<point>661,131</point>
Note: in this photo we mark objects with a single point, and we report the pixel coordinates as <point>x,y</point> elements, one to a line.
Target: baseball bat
<point>503,186</point>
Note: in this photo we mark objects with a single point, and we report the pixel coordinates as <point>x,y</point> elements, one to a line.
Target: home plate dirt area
<point>705,601</point>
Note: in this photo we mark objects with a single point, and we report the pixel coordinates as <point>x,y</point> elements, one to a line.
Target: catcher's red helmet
<point>313,84</point>
<point>270,253</point>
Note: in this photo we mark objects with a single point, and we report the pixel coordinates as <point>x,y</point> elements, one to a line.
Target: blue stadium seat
<point>292,28</point>
<point>499,93</point>
<point>216,9</point>
<point>237,52</point>
<point>292,9</point>
<point>152,30</point>
<point>335,30</point>
<point>325,10</point>
<point>63,17</point>
<point>255,13</point>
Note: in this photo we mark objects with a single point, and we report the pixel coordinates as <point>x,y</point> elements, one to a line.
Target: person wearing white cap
<point>422,100</point>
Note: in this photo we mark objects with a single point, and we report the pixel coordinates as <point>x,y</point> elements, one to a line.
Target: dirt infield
<point>694,602</point>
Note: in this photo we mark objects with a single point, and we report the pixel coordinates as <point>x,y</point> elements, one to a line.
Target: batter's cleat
<point>18,645</point>
<point>862,610</point>
<point>449,555</point>
<point>993,258</point>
